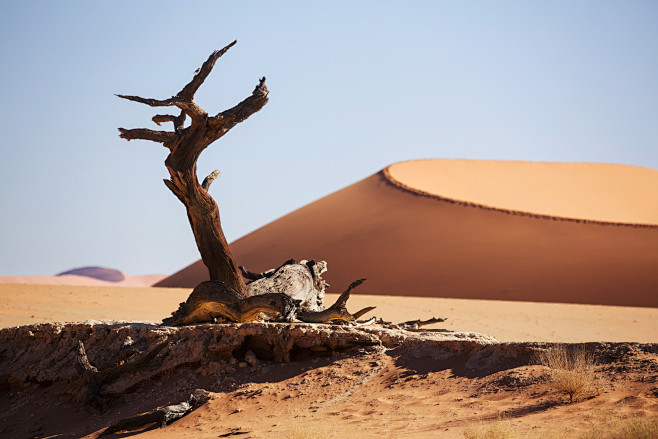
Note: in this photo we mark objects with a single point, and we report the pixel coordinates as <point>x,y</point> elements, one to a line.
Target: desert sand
<point>504,320</point>
<point>524,252</point>
<point>540,232</point>
<point>369,392</point>
<point>72,279</point>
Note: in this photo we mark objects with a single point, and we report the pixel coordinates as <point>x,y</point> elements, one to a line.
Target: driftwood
<point>160,417</point>
<point>96,378</point>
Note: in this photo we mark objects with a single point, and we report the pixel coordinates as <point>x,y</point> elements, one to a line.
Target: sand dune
<point>102,273</point>
<point>547,232</point>
<point>73,279</point>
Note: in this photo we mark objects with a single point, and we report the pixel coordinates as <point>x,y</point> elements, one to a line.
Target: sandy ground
<point>372,394</point>
<point>523,252</point>
<point>506,321</point>
<point>70,279</point>
<point>401,230</point>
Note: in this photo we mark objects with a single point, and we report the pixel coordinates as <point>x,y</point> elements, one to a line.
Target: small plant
<point>571,371</point>
<point>494,430</point>
<point>632,428</point>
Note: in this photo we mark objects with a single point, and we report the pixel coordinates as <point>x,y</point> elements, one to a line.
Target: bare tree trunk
<point>225,296</point>
<point>185,146</point>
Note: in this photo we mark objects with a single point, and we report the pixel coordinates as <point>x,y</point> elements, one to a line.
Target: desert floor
<point>371,393</point>
<point>504,320</point>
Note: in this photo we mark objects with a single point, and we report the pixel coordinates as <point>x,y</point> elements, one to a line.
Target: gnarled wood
<point>96,378</point>
<point>336,312</point>
<point>185,145</point>
<point>302,281</point>
<point>215,301</point>
<point>160,417</point>
<point>226,297</point>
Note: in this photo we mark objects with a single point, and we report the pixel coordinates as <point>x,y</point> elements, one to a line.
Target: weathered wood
<point>185,145</point>
<point>214,301</point>
<point>302,281</point>
<point>96,378</point>
<point>413,325</point>
<point>336,312</point>
<point>159,417</point>
<point>225,297</point>
<point>209,179</point>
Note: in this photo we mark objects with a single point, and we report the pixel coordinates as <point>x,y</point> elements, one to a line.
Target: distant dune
<point>87,280</point>
<point>547,232</point>
<point>102,273</point>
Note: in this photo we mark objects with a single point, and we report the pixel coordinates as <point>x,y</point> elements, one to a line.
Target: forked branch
<point>336,312</point>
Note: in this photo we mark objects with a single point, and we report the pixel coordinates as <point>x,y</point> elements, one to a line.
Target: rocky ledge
<point>47,353</point>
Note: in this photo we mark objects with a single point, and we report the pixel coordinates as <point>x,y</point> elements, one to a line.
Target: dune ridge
<point>387,174</point>
<point>410,244</point>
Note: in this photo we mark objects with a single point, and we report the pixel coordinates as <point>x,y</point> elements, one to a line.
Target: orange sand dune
<point>547,232</point>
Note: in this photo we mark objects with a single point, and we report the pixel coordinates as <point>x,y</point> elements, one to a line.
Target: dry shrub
<point>571,371</point>
<point>631,428</point>
<point>494,430</point>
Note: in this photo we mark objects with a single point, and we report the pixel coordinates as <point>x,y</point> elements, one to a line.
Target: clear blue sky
<point>354,86</point>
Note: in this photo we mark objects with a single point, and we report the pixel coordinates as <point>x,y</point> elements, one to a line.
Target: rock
<point>251,359</point>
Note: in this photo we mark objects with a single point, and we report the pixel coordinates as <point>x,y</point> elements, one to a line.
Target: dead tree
<point>185,144</point>
<point>225,296</point>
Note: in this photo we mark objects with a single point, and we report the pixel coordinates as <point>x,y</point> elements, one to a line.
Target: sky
<point>354,86</point>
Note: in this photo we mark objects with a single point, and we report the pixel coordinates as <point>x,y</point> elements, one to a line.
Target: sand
<point>523,252</point>
<point>72,279</point>
<point>505,320</point>
<point>372,394</point>
<point>539,232</point>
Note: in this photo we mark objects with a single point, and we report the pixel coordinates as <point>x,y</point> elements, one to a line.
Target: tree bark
<point>185,146</point>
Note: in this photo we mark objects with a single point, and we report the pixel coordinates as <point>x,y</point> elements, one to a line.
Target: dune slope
<point>548,232</point>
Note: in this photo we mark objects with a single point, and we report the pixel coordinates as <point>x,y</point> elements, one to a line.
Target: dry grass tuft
<point>494,430</point>
<point>630,428</point>
<point>571,371</point>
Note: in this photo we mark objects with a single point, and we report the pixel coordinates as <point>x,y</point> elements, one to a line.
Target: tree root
<point>96,378</point>
<point>300,287</point>
<point>411,325</point>
<point>338,311</point>
<point>214,301</point>
<point>160,417</point>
